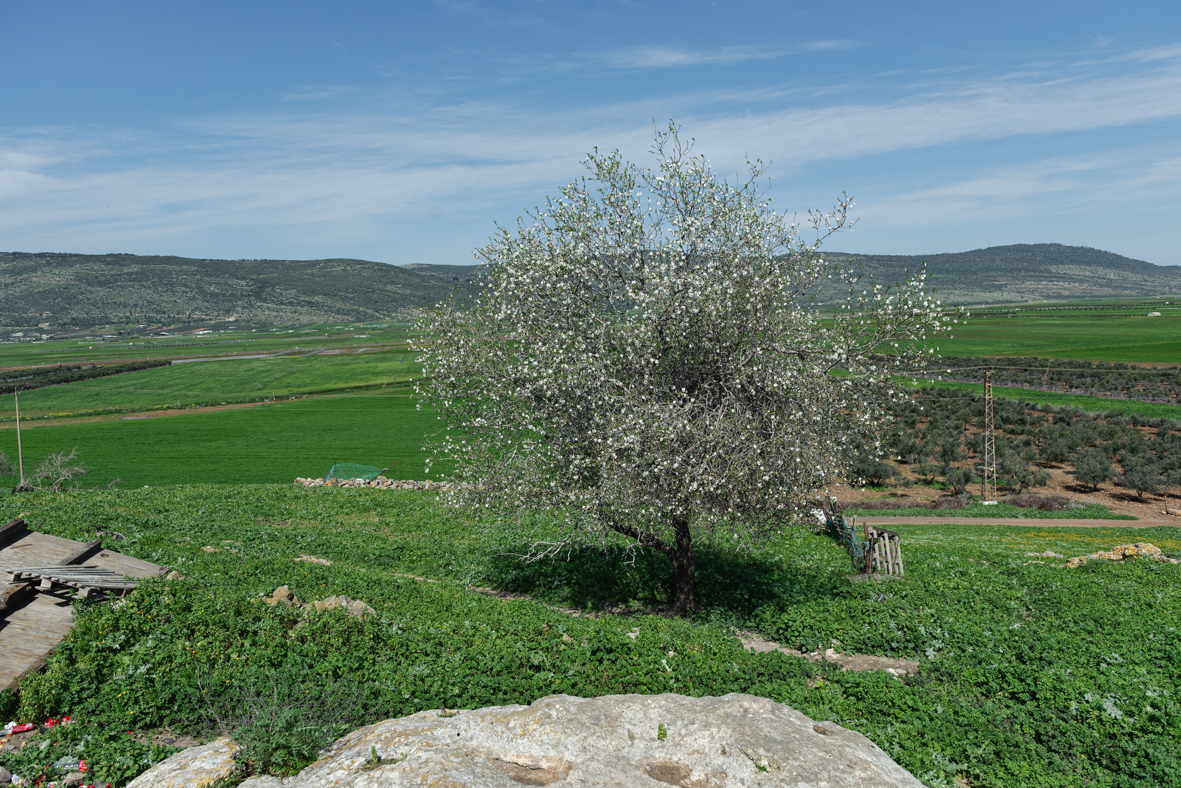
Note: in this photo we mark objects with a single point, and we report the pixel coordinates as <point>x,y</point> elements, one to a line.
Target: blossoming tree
<point>648,360</point>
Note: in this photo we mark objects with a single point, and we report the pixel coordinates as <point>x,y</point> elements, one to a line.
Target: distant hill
<point>456,273</point>
<point>87,290</point>
<point>1023,272</point>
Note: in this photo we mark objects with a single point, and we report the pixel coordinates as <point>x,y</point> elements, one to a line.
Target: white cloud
<point>16,182</point>
<point>1058,185</point>
<point>311,178</point>
<point>663,56</point>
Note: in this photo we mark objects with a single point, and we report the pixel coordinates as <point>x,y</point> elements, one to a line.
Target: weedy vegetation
<point>1029,673</point>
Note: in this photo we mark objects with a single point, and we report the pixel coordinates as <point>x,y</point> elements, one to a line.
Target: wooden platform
<point>33,623</point>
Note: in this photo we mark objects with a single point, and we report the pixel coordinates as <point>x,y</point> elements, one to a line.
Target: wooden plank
<point>12,593</point>
<point>12,529</point>
<point>82,553</point>
<point>31,624</point>
<point>29,631</point>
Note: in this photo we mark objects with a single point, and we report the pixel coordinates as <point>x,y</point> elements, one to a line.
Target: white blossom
<point>659,369</point>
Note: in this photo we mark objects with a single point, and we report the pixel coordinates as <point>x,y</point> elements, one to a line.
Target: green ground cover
<point>1030,674</point>
<point>217,382</point>
<point>260,443</point>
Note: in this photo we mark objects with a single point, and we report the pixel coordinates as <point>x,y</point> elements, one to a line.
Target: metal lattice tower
<point>988,475</point>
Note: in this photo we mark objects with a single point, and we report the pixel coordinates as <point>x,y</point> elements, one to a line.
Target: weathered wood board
<point>34,623</point>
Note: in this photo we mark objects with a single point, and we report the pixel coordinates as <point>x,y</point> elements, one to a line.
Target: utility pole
<point>20,455</point>
<point>988,477</point>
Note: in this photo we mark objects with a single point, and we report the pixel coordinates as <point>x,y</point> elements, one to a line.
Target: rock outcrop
<point>354,607</point>
<point>382,483</point>
<point>619,740</point>
<point>196,767</point>
<point>1119,553</point>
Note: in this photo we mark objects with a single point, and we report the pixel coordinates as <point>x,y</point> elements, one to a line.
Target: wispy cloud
<point>1006,191</point>
<point>340,182</point>
<point>663,56</point>
<point>1027,104</point>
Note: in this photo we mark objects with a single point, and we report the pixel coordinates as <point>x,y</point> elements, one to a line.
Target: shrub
<point>958,480</point>
<point>1140,474</point>
<point>58,471</point>
<point>1092,467</point>
<point>1014,470</point>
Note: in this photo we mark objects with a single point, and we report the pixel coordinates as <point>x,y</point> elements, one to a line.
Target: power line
<point>988,477</point>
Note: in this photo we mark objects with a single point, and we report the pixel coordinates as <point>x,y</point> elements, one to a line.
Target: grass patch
<point>1030,673</point>
<point>1130,338</point>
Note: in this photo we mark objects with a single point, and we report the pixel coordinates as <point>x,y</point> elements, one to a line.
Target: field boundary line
<point>1030,522</point>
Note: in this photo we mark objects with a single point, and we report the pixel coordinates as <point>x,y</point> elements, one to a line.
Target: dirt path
<point>1026,523</point>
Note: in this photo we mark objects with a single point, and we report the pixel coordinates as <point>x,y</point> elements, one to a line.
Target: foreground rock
<point>619,740</point>
<point>196,767</point>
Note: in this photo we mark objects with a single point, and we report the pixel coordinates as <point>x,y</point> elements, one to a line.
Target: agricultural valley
<point>195,392</point>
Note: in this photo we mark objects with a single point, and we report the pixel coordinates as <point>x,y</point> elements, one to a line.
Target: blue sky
<point>402,132</point>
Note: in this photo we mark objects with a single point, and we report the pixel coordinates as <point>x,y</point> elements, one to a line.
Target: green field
<point>187,345</point>
<point>217,382</point>
<point>1093,336</point>
<point>1029,673</point>
<point>268,443</point>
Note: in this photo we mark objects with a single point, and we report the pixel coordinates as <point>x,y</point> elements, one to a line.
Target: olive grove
<point>649,359</point>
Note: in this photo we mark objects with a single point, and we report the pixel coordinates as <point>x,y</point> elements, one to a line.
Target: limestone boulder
<point>622,740</point>
<point>203,766</point>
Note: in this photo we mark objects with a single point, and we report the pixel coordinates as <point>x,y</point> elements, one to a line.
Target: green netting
<point>843,531</point>
<point>351,470</point>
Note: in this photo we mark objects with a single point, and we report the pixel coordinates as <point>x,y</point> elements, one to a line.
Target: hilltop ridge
<point>86,290</point>
<point>81,290</point>
<point>1022,272</point>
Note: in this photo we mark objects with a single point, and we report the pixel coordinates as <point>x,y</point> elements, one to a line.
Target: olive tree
<point>649,358</point>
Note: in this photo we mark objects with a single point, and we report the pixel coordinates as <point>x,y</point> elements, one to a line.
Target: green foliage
<point>1029,673</point>
<point>959,479</point>
<point>1015,471</point>
<point>1092,467</point>
<point>1141,474</point>
<point>282,721</point>
<point>8,704</point>
<point>872,470</point>
<point>111,753</point>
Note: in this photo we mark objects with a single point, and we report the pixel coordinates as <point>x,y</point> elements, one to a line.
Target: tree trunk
<point>681,556</point>
<point>685,566</point>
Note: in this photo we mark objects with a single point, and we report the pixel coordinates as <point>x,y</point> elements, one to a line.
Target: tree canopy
<point>648,359</point>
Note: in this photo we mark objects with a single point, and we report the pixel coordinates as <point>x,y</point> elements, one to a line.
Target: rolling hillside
<point>87,290</point>
<point>1023,272</point>
<point>78,290</point>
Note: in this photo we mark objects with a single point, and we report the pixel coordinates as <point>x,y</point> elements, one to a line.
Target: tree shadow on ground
<point>729,584</point>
